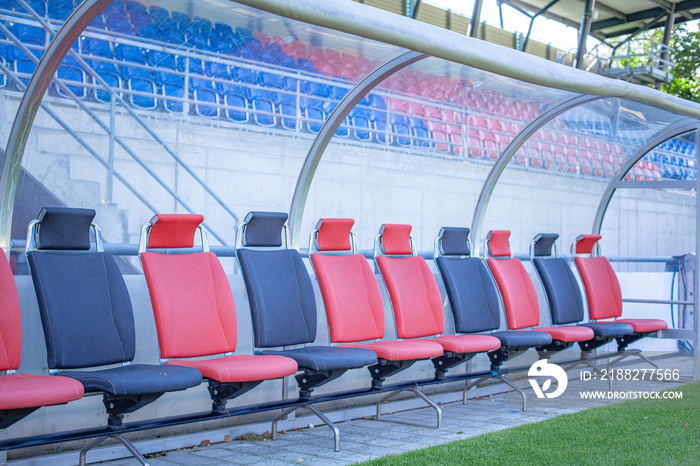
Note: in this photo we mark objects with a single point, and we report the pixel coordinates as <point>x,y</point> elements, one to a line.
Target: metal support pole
<point>476,16</point>
<point>584,31</point>
<point>109,198</point>
<point>416,7</point>
<point>668,29</point>
<point>696,282</point>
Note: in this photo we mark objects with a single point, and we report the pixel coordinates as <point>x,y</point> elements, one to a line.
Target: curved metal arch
<point>324,136</point>
<point>31,100</point>
<point>683,126</point>
<point>509,153</point>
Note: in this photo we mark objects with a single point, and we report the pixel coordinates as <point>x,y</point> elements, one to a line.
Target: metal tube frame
<point>324,136</point>
<point>509,153</point>
<point>680,127</point>
<point>31,101</point>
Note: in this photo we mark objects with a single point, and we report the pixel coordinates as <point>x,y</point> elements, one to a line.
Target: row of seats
<point>81,292</point>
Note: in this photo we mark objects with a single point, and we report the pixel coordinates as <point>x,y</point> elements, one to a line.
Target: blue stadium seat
<point>275,55</point>
<point>71,70</point>
<point>421,135</point>
<point>174,37</point>
<point>263,101</point>
<point>3,54</point>
<point>244,75</point>
<point>287,105</point>
<point>305,65</point>
<point>252,50</point>
<point>217,70</point>
<point>8,5</point>
<point>399,126</point>
<point>235,96</point>
<point>243,35</point>
<point>312,110</point>
<point>360,123</point>
<point>118,23</point>
<point>223,30</point>
<point>26,34</point>
<point>129,53</point>
<point>316,89</point>
<point>39,6</point>
<point>150,31</point>
<point>203,91</point>
<point>110,74</point>
<point>60,10</point>
<point>98,48</point>
<point>158,59</point>
<point>171,85</point>
<point>140,80</point>
<point>378,117</point>
<point>196,66</point>
<point>182,21</point>
<point>21,63</point>
<point>271,80</point>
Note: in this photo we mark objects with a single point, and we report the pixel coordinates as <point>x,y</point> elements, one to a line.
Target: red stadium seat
<point>179,283</point>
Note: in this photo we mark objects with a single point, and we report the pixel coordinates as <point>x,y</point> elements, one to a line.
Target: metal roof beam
<point>520,6</point>
<point>645,14</point>
<point>610,10</point>
<point>658,24</point>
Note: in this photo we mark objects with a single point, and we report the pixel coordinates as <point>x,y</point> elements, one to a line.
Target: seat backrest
<point>415,296</point>
<point>281,296</point>
<point>10,319</point>
<point>191,297</point>
<point>560,286</point>
<point>351,294</point>
<point>469,285</point>
<point>84,303</point>
<point>517,290</point>
<point>603,292</point>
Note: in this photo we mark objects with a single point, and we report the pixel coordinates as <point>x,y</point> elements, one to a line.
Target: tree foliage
<point>686,69</point>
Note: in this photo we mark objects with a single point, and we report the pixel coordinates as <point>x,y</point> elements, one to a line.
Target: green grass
<point>637,432</point>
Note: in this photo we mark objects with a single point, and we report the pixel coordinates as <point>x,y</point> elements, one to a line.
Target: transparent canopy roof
<point>217,107</point>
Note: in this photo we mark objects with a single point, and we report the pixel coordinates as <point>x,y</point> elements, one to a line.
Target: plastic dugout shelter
<point>145,161</point>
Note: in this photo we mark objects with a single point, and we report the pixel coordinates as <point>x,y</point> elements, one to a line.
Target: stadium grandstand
<point>264,125</point>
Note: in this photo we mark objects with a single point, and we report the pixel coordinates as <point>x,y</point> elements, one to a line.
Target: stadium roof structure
<point>606,19</point>
<point>613,18</point>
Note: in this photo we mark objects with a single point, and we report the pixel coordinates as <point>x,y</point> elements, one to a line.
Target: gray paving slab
<point>367,438</point>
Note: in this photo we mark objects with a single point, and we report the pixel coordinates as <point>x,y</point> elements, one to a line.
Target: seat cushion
<point>242,367</point>
<point>326,358</point>
<point>569,333</point>
<point>402,350</point>
<point>465,344</point>
<point>137,379</point>
<point>610,329</point>
<point>523,338</point>
<point>30,390</point>
<point>645,325</point>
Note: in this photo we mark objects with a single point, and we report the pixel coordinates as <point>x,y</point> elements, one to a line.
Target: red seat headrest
<point>173,230</point>
<point>586,243</point>
<point>498,243</point>
<point>396,238</point>
<point>334,234</point>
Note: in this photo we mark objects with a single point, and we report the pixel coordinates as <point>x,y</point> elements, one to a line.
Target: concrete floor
<point>365,439</point>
